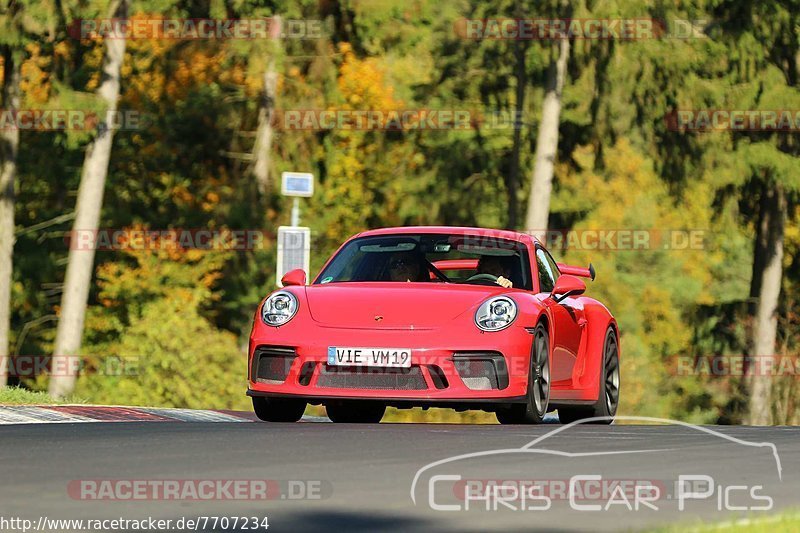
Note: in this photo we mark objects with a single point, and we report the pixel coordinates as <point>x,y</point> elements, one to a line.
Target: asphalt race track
<point>360,477</point>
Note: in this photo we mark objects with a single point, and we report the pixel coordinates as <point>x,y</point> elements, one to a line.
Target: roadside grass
<point>440,416</point>
<point>786,522</point>
<point>418,416</point>
<point>20,396</point>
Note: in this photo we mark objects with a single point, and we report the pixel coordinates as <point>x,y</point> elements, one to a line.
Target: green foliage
<point>183,361</point>
<point>20,396</point>
<point>784,522</point>
<point>651,289</point>
<point>155,313</point>
<point>185,315</point>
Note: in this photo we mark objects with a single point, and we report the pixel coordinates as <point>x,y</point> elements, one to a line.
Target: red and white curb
<point>49,414</point>
<point>35,414</point>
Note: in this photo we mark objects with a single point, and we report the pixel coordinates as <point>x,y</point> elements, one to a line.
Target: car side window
<point>553,266</point>
<point>546,277</point>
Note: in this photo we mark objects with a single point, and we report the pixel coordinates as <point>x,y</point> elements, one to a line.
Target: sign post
<point>294,246</point>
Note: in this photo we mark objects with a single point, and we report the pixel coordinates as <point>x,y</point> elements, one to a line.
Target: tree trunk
<point>263,144</point>
<point>766,318</point>
<point>9,146</point>
<point>760,247</point>
<point>87,217</point>
<point>796,67</point>
<point>547,146</point>
<point>512,183</point>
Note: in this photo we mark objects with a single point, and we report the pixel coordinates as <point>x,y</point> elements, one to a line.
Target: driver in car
<point>495,266</point>
<point>406,266</point>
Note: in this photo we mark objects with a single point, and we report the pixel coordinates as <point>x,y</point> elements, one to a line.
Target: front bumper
<point>447,367</point>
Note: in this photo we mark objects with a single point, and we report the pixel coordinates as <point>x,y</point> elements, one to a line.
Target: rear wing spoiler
<point>472,264</point>
<point>577,271</point>
<point>456,264</point>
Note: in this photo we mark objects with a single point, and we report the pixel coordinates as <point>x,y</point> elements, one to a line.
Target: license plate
<point>382,357</point>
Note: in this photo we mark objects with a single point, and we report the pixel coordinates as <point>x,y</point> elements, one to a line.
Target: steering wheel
<point>483,277</point>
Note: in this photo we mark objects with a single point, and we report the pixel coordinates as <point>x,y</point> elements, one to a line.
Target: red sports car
<point>465,318</point>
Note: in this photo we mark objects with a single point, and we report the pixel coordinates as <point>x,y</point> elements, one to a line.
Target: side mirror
<point>567,285</point>
<point>294,277</point>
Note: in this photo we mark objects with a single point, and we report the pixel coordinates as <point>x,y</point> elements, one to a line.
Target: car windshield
<point>469,259</point>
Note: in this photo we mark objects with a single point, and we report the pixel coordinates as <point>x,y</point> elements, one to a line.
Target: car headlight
<point>279,308</point>
<point>496,313</point>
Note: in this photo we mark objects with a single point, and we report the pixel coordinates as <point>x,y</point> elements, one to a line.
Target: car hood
<point>393,305</point>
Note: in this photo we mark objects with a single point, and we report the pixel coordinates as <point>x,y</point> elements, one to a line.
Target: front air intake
<point>482,370</point>
<point>371,378</point>
<point>271,364</point>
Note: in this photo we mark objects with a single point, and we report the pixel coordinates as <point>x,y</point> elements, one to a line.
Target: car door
<point>568,321</point>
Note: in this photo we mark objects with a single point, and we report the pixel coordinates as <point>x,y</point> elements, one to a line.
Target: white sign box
<point>294,250</point>
<point>297,184</point>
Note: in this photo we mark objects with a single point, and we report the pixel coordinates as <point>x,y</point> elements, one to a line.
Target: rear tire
<point>608,399</point>
<point>278,409</point>
<point>355,412</point>
<point>534,410</point>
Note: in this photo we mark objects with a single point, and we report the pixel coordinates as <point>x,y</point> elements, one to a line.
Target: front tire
<point>534,410</point>
<point>278,409</point>
<point>608,399</point>
<point>355,412</point>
